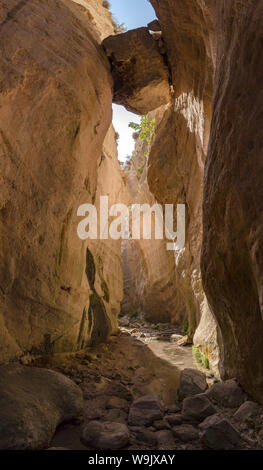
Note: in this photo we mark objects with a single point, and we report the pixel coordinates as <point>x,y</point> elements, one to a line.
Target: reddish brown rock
<point>141,78</point>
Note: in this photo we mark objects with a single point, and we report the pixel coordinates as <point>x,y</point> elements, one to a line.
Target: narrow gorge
<point>109,344</point>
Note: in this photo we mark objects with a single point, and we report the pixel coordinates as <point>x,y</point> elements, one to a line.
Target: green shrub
<point>200,357</point>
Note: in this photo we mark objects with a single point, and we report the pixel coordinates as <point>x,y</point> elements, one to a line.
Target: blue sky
<point>133,13</point>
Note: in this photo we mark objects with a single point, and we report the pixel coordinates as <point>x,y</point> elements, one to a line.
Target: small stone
<point>175,419</point>
<point>161,424</point>
<point>116,402</point>
<point>105,435</point>
<point>172,409</point>
<point>197,408</point>
<point>116,415</point>
<point>146,435</point>
<point>154,25</point>
<point>192,382</point>
<point>165,440</point>
<point>185,432</point>
<point>217,433</point>
<point>228,394</point>
<point>144,411</point>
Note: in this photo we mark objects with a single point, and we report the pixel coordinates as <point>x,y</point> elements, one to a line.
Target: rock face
<point>141,78</point>
<point>148,268</point>
<point>178,151</point>
<point>55,112</point>
<point>231,254</point>
<point>33,402</point>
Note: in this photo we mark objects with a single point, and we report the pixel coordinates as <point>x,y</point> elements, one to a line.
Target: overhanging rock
<point>141,77</point>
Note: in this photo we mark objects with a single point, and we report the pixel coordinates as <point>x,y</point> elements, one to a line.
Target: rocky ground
<point>131,400</point>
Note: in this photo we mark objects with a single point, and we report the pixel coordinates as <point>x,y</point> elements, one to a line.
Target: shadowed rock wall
<point>55,100</point>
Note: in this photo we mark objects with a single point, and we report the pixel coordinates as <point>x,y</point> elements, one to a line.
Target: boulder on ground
<point>197,408</point>
<point>144,411</point>
<point>228,394</point>
<point>217,433</point>
<point>248,411</point>
<point>33,402</point>
<point>105,435</point>
<point>192,382</point>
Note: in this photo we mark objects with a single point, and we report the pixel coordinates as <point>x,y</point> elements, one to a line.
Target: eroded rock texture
<point>178,151</point>
<point>55,112</point>
<point>141,78</point>
<point>232,261</point>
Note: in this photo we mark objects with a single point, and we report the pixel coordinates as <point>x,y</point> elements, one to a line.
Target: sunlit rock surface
<point>55,112</point>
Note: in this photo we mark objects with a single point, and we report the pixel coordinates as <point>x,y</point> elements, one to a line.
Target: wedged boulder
<point>105,435</point>
<point>228,394</point>
<point>33,402</point>
<point>197,408</point>
<point>192,382</point>
<point>141,78</point>
<point>154,26</point>
<point>217,433</point>
<point>144,411</point>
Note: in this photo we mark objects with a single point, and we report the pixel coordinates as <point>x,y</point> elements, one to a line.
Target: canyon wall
<point>148,268</point>
<point>56,292</point>
<point>178,151</point>
<point>232,260</point>
<point>175,167</point>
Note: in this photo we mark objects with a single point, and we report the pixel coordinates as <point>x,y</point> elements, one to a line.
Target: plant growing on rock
<point>200,357</point>
<point>145,128</point>
<point>118,27</point>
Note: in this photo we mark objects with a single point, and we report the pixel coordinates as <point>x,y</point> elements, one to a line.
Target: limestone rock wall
<point>55,111</point>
